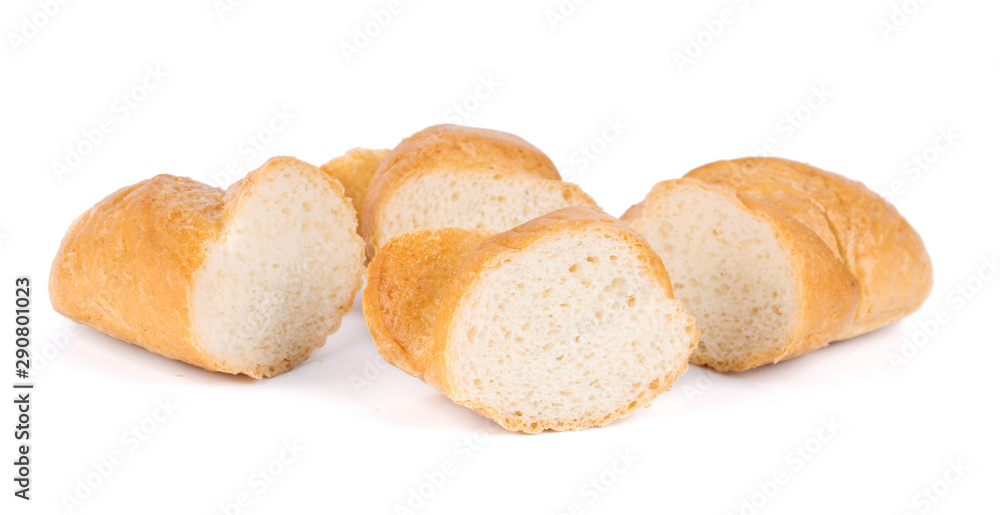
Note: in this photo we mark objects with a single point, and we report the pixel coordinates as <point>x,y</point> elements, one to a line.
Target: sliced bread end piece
<point>762,286</point>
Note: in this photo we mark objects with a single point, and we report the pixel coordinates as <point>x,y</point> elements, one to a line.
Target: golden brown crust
<point>404,289</point>
<point>448,278</point>
<point>878,246</point>
<point>355,170</point>
<point>450,147</point>
<point>829,294</point>
<point>127,267</point>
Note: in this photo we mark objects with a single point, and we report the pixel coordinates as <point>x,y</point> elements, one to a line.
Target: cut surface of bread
<point>250,280</point>
<point>565,322</point>
<point>776,258</point>
<point>355,170</point>
<point>871,238</point>
<point>452,176</point>
<point>753,279</point>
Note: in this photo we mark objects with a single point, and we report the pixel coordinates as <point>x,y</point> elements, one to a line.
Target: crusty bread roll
<point>777,258</point>
<point>355,170</point>
<point>249,280</point>
<point>563,323</point>
<point>453,176</point>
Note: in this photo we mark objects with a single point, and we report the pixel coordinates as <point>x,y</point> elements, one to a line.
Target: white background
<point>705,446</point>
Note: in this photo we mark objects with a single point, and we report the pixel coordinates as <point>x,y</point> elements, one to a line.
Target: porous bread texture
<point>246,281</point>
<point>563,323</point>
<point>566,335</point>
<point>729,269</point>
<point>476,200</point>
<point>355,170</point>
<point>768,265</point>
<point>869,236</point>
<point>453,176</point>
<point>747,274</point>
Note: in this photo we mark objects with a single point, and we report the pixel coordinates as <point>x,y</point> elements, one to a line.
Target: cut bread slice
<point>246,281</point>
<point>563,323</point>
<point>882,251</point>
<point>452,176</point>
<point>762,286</point>
<point>851,262</point>
<point>355,170</point>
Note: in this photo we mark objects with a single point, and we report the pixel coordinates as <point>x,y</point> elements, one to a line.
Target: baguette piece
<point>871,238</point>
<point>563,323</point>
<point>453,176</point>
<point>249,280</point>
<point>777,258</point>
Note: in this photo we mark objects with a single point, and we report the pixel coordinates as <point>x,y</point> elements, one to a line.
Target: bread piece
<point>355,170</point>
<point>249,280</point>
<point>761,285</point>
<point>563,323</point>
<point>453,176</point>
<point>870,237</point>
<point>771,270</point>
